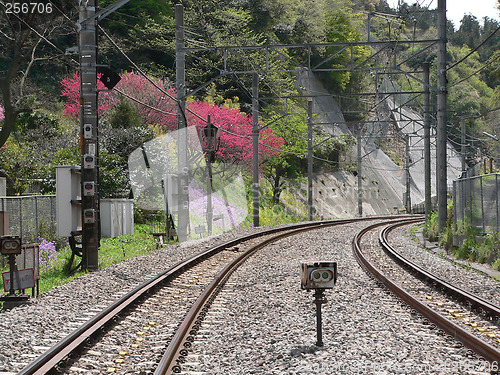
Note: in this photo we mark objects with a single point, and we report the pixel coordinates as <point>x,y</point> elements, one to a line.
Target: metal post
<point>12,268</point>
<point>319,299</point>
<point>255,148</point>
<point>462,144</point>
<point>369,27</point>
<point>441,116</point>
<point>209,182</point>
<point>309,161</point>
<point>455,204</point>
<point>407,175</point>
<point>89,142</point>
<point>427,143</point>
<point>182,162</point>
<point>496,199</point>
<point>360,180</point>
<point>482,204</point>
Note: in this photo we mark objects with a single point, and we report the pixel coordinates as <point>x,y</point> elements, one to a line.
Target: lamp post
<point>209,134</point>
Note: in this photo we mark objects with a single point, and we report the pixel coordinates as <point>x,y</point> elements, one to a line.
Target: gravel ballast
<point>262,322</point>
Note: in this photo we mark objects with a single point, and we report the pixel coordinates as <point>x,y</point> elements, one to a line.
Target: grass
<point>112,251</point>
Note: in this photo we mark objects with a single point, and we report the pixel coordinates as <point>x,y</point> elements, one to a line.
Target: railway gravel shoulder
<point>476,282</point>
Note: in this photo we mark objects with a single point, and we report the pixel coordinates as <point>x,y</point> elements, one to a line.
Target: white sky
<point>457,8</point>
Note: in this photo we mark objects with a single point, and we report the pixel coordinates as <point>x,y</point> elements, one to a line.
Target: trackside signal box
<point>10,245</point>
<point>317,274</point>
<point>69,200</point>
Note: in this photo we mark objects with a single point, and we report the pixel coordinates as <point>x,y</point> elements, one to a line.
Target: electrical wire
<point>492,60</point>
<point>473,50</point>
<point>144,104</point>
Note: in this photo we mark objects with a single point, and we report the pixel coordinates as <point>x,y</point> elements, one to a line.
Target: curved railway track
<point>70,346</point>
<point>469,337</point>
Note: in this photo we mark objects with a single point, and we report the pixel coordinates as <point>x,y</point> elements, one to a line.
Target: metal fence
<point>476,201</point>
<point>31,216</point>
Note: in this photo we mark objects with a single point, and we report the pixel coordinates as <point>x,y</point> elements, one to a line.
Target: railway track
<point>461,314</point>
<point>85,339</point>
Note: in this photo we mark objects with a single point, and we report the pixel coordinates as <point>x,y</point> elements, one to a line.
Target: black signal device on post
<point>10,245</point>
<point>318,275</point>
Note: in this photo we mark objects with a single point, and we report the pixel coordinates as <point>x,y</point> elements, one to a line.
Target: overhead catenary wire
<point>473,50</point>
<point>492,60</point>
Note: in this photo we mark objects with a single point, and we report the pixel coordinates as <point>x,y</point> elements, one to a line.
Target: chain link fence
<point>476,201</point>
<point>31,216</point>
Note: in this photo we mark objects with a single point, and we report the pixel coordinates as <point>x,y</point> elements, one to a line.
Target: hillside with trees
<point>39,83</point>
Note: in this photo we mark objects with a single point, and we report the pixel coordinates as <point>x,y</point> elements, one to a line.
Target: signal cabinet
<point>68,200</point>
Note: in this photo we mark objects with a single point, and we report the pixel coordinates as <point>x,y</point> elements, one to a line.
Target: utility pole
<point>462,144</point>
<point>427,143</point>
<point>89,136</point>
<point>255,148</point>
<point>309,160</point>
<point>360,180</point>
<point>407,174</point>
<point>182,162</point>
<point>441,117</point>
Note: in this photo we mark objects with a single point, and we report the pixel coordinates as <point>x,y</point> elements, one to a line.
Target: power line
<point>473,50</point>
<point>476,72</point>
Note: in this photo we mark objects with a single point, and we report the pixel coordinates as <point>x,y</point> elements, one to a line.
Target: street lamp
<point>209,136</point>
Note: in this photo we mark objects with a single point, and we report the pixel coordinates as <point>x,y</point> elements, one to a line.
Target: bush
<point>488,251</point>
<point>431,227</point>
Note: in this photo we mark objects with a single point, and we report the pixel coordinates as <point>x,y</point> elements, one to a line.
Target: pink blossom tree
<point>156,108</point>
<point>159,110</point>
<point>235,129</point>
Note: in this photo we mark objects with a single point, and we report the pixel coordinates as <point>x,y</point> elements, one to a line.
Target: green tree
<point>23,45</point>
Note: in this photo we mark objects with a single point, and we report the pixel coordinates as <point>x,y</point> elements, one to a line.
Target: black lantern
<point>209,134</point>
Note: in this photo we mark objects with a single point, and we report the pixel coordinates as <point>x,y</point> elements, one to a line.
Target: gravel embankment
<point>475,282</point>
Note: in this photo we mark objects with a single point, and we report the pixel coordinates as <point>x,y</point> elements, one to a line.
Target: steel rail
<point>56,354</point>
<point>469,340</point>
<point>452,290</point>
<point>175,353</point>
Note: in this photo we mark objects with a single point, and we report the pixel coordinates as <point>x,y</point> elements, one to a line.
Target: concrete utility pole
<point>309,160</point>
<point>427,143</point>
<point>182,155</point>
<point>255,148</point>
<point>89,136</point>
<point>360,180</point>
<point>407,174</point>
<point>462,144</point>
<point>441,116</point>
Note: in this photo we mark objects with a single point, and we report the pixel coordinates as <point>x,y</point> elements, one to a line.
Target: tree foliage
<point>23,46</point>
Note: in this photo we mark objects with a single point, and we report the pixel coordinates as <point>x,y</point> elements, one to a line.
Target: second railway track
<point>463,315</point>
